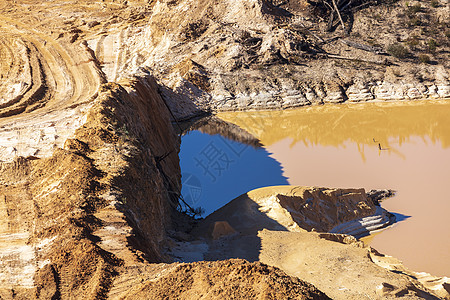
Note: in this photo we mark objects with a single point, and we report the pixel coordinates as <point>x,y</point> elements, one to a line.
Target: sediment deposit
<point>89,169</point>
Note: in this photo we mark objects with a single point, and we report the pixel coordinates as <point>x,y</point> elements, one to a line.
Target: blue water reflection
<point>216,170</point>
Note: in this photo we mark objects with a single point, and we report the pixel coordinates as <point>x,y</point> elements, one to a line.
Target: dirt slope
<point>231,279</point>
<point>90,221</point>
<point>98,205</point>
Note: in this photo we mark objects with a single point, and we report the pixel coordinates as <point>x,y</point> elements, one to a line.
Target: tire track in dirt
<point>54,81</point>
<point>74,79</point>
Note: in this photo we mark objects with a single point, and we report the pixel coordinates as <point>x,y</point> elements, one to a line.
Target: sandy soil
<point>230,279</point>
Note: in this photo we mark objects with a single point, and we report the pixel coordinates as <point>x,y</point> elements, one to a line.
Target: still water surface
<point>215,170</point>
<point>338,146</point>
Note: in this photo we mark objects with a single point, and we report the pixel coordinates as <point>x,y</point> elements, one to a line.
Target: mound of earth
<point>230,279</point>
<point>74,221</point>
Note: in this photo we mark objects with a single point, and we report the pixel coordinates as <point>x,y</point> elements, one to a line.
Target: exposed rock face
<point>322,209</point>
<point>295,208</point>
<point>363,226</point>
<point>256,55</point>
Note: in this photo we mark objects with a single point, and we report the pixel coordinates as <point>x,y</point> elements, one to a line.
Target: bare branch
<point>339,15</point>
<point>368,48</point>
<point>378,62</point>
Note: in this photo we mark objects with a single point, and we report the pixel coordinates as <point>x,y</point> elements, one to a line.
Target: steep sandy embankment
<point>75,220</point>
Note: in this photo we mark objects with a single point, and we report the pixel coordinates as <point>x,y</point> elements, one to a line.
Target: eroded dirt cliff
<point>97,205</point>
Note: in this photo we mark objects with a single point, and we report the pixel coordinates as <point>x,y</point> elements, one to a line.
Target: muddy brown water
<point>339,146</point>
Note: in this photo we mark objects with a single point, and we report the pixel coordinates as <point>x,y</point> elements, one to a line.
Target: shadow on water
<point>216,169</point>
<point>219,162</point>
